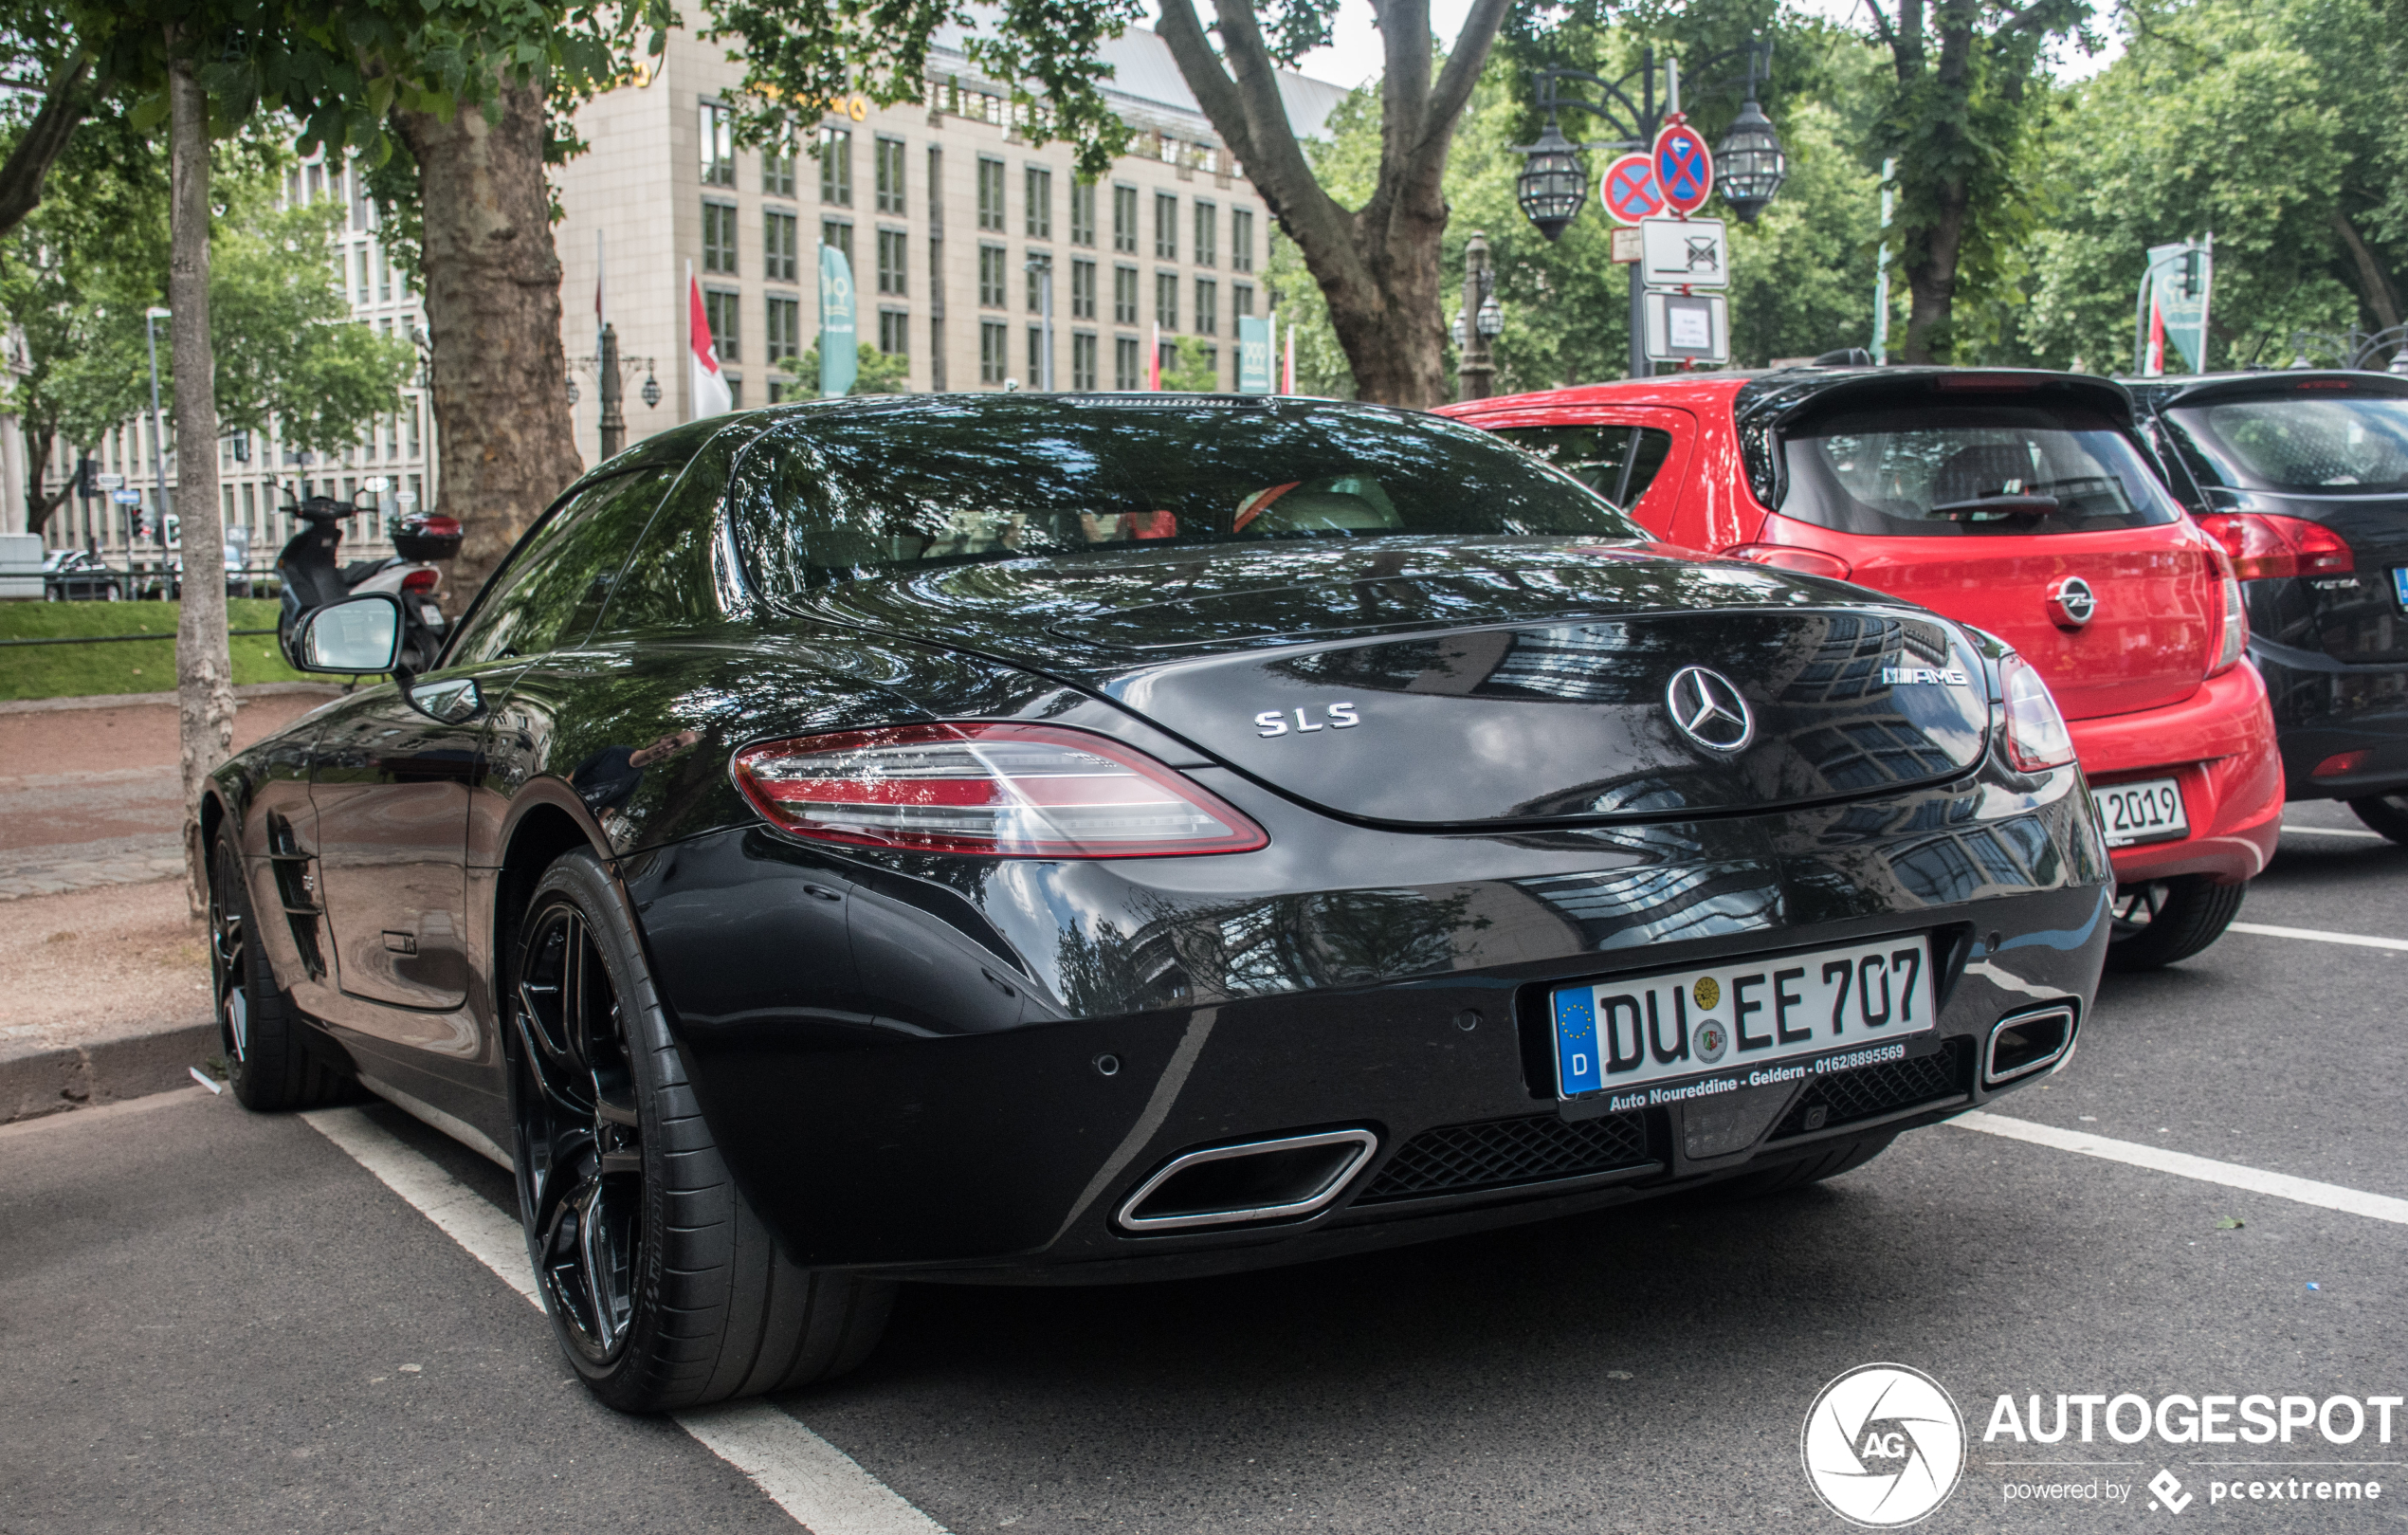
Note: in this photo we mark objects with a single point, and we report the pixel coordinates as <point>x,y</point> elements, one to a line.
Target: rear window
<point>1970,470</point>
<point>2340,445</point>
<point>832,495</point>
<point>1618,463</point>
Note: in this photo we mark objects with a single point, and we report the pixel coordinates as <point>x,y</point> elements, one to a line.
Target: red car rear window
<point>1618,463</point>
<point>1970,470</point>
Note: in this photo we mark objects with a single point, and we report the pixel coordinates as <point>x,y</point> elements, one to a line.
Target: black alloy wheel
<point>581,1138</point>
<point>2160,921</point>
<point>271,1062</point>
<point>667,1291</point>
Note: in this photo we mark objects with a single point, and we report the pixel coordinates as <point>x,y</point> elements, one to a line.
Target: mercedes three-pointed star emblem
<point>1709,710</point>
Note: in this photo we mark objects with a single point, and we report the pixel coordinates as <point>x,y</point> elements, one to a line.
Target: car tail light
<point>1018,791</point>
<point>2265,546</point>
<point>1791,557</point>
<point>421,580</point>
<point>2233,640</point>
<point>2037,737</point>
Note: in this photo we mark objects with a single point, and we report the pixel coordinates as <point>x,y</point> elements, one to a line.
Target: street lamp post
<point>1553,185</point>
<point>610,373</point>
<point>1478,323</point>
<point>151,318</point>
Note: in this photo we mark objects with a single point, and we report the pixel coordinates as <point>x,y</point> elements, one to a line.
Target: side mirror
<point>358,635</point>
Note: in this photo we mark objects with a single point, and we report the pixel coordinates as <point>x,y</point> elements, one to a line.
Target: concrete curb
<point>81,1076</point>
<point>129,701</point>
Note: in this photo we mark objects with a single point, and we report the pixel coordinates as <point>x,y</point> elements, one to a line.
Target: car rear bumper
<point>1001,1151</point>
<point>2324,708</point>
<point>2219,745</point>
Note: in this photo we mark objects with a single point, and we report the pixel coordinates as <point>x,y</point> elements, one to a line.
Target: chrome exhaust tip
<point>2033,1040</point>
<point>1276,1179</point>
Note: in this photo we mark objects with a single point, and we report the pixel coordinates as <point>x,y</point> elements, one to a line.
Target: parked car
<point>2020,502</point>
<point>2303,476</point>
<point>73,576</point>
<point>1026,838</point>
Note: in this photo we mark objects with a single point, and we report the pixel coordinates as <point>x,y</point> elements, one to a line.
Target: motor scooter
<point>312,577</point>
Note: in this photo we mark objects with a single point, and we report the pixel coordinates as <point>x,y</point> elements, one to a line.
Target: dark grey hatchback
<point>2303,476</point>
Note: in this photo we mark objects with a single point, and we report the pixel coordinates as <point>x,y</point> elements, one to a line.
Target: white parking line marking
<point>2205,1169</point>
<point>2338,832</point>
<point>2317,935</point>
<point>819,1486</point>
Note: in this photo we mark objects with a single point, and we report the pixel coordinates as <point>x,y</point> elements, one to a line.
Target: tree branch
<point>2372,282</point>
<point>1881,25</point>
<point>63,107</point>
<point>1465,60</point>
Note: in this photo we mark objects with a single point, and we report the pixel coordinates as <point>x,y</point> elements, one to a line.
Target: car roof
<point>2164,393</point>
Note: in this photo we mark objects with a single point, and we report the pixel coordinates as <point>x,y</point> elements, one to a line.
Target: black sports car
<point>1094,838</point>
<point>2303,476</point>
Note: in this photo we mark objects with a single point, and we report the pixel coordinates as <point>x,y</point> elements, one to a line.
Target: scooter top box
<point>428,538</point>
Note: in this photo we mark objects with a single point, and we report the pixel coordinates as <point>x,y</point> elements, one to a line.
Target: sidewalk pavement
<point>104,981</point>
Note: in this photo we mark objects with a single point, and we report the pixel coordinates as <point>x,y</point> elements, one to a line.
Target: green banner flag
<point>839,352</point>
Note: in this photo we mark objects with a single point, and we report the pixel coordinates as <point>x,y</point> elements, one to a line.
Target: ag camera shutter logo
<point>1883,1445</point>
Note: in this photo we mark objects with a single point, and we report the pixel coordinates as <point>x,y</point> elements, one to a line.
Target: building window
<point>894,333</point>
<point>890,175</point>
<point>1037,186</point>
<point>1128,359</point>
<point>1241,299</point>
<point>1038,277</point>
<point>718,311</point>
<point>719,146</point>
<point>1166,300</point>
<point>1207,235</point>
<point>837,166</point>
<point>1124,219</point>
<point>719,238</point>
<point>778,170</point>
<point>1207,307</point>
<point>990,194</point>
<point>1036,356</point>
<point>1082,360</point>
<point>991,265</point>
<point>891,278</point>
<point>1124,294</point>
<point>778,246</point>
<point>838,233</point>
<point>385,281</point>
<point>1083,290</point>
<point>1166,226</point>
<point>782,332</point>
<point>1241,239</point>
<point>994,348</point>
<point>935,189</point>
<point>736,394</point>
<point>1083,212</point>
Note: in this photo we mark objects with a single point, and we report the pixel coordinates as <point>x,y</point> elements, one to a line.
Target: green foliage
<point>287,349</point>
<point>875,372</point>
<point>1193,372</point>
<point>2265,123</point>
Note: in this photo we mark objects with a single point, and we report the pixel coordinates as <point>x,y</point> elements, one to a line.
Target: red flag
<point>711,395</point>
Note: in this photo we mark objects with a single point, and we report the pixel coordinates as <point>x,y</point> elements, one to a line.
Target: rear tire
<point>2387,813</point>
<point>270,1061</point>
<point>2160,921</point>
<point>1831,1161</point>
<point>665,1287</point>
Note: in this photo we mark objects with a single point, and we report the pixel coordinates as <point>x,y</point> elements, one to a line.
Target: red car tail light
<point>421,580</point>
<point>2233,640</point>
<point>1014,791</point>
<point>2037,737</point>
<point>2265,546</point>
<point>1791,557</point>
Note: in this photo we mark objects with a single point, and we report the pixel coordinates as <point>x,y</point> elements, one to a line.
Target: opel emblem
<point>1709,710</point>
<point>2071,602</point>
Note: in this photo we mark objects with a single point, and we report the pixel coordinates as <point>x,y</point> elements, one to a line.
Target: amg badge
<point>1902,676</point>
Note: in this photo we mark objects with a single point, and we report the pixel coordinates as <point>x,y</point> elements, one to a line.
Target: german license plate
<point>2149,812</point>
<point>1843,1007</point>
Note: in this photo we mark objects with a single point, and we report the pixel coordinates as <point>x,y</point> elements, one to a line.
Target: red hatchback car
<point>2019,501</point>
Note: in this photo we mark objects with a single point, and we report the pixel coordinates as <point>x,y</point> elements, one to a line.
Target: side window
<point>1600,456</point>
<point>556,584</point>
<point>668,582</point>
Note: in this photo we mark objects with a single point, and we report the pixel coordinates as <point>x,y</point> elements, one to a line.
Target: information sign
<point>1687,327</point>
<point>1692,252</point>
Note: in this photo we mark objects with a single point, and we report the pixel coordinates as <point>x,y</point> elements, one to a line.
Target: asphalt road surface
<point>210,1320</point>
